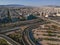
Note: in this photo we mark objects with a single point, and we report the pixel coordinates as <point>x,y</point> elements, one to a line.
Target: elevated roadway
<point>27,36</point>
<point>27,39</point>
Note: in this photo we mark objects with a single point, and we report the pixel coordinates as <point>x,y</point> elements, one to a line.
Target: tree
<point>54,27</point>
<point>5,20</point>
<point>0,21</point>
<point>30,17</point>
<point>16,36</point>
<point>3,42</point>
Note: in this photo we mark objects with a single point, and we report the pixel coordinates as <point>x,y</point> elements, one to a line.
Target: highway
<point>19,23</point>
<point>18,27</point>
<point>52,21</point>
<point>27,35</point>
<point>9,30</point>
<point>27,40</point>
<point>9,39</point>
<point>13,29</point>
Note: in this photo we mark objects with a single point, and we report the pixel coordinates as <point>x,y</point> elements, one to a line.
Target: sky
<point>31,2</point>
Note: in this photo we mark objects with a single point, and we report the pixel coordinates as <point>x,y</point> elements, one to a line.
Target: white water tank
<point>58,14</point>
<point>46,15</point>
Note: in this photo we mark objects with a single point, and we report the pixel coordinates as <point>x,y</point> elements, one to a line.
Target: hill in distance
<point>12,5</point>
<point>53,6</point>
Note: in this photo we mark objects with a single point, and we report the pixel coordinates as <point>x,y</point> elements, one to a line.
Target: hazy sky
<point>31,2</point>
